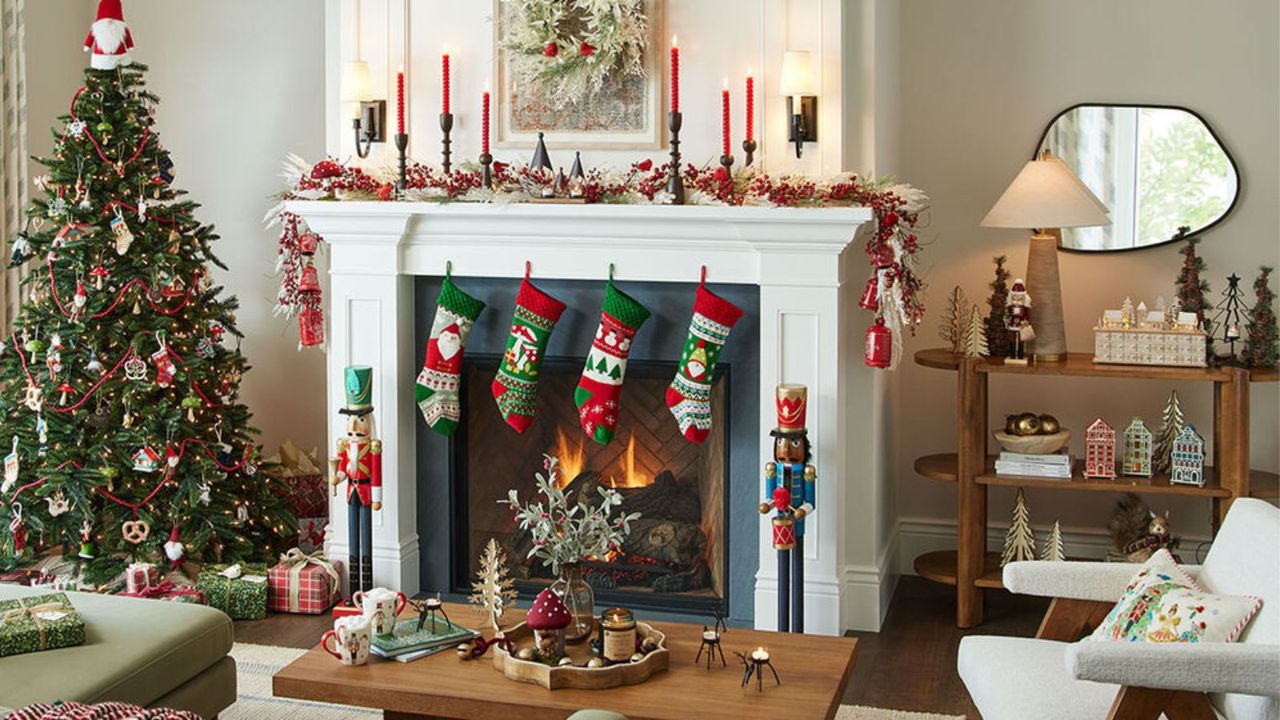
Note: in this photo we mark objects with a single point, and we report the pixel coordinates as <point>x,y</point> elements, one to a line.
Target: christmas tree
<point>1231,315</point>
<point>1193,291</point>
<point>116,386</point>
<point>975,338</point>
<point>1171,424</point>
<point>997,332</point>
<point>1261,343</point>
<point>493,591</point>
<point>1053,545</point>
<point>955,320</point>
<point>1019,541</point>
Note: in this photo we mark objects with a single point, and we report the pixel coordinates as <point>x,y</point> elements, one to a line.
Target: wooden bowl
<point>1033,444</point>
<point>576,676</point>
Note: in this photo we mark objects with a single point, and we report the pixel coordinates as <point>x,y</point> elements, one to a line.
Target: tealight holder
<point>710,643</point>
<point>756,662</point>
<point>430,608</point>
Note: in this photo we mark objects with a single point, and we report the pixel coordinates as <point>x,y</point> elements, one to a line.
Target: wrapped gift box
<point>170,591</point>
<point>306,489</point>
<point>303,583</point>
<point>140,576</point>
<point>39,622</point>
<point>237,590</point>
<point>311,533</point>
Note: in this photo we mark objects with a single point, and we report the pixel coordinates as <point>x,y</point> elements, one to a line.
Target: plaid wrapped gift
<point>140,576</point>
<point>39,622</point>
<point>171,591</point>
<point>237,590</point>
<point>302,583</point>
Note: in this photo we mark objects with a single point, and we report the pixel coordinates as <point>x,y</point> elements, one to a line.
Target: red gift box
<point>302,583</point>
<point>140,576</point>
<point>307,495</point>
<point>170,591</point>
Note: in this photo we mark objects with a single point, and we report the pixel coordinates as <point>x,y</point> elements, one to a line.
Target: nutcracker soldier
<point>1017,320</point>
<point>359,463</point>
<point>789,492</point>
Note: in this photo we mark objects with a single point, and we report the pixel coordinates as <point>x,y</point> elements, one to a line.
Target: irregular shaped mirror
<point>1156,168</point>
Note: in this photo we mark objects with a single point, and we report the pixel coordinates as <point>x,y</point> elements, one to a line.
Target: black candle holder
<point>446,126</point>
<point>675,182</point>
<point>486,171</point>
<point>710,643</point>
<point>726,162</point>
<point>756,661</point>
<point>749,151</point>
<point>402,147</point>
<point>430,608</point>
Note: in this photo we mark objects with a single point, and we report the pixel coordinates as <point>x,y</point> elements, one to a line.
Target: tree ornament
<point>57,207</point>
<point>205,348</point>
<point>871,293</point>
<point>1262,338</point>
<point>135,532</point>
<point>58,503</point>
<point>80,299</point>
<point>20,250</point>
<point>191,403</point>
<point>879,345</point>
<point>1053,550</point>
<point>954,328</point>
<point>12,466</point>
<point>123,236</point>
<point>94,366</point>
<point>203,491</point>
<point>88,550</point>
<point>64,390</point>
<point>174,549</point>
<point>34,398</point>
<point>599,390</point>
<point>165,367</point>
<point>493,591</point>
<point>171,456</point>
<point>98,273</point>
<point>146,460</point>
<point>242,513</point>
<point>76,128</point>
<point>1019,541</point>
<point>436,387</point>
<point>18,530</point>
<point>689,394</point>
<point>135,368</point>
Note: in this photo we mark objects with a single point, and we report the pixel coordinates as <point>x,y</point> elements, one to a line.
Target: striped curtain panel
<point>14,185</point>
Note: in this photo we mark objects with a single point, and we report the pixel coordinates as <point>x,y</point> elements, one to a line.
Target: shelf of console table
<point>970,568</point>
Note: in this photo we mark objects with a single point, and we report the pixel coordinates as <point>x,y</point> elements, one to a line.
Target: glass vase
<point>579,599</point>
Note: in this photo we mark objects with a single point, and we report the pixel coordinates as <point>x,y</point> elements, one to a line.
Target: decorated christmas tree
<point>1261,343</point>
<point>119,381</point>
<point>1193,290</point>
<point>1019,541</point>
<point>1171,424</point>
<point>997,333</point>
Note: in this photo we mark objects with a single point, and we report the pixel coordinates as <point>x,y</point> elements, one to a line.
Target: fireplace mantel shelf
<point>810,331</point>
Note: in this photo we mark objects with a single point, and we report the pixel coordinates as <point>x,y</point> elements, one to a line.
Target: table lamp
<point>1044,197</point>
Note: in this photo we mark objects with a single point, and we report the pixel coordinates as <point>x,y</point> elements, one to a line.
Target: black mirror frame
<point>1212,133</point>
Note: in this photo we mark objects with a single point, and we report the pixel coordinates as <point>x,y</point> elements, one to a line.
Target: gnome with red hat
<point>789,490</point>
<point>109,39</point>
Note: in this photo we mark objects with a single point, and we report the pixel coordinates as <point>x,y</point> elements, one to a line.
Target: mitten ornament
<point>689,395</point>
<point>600,386</point>
<point>436,391</point>
<point>516,386</point>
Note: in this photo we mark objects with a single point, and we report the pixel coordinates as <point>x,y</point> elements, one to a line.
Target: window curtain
<point>14,185</point>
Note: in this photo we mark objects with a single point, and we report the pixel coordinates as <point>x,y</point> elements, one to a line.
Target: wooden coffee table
<point>814,672</point>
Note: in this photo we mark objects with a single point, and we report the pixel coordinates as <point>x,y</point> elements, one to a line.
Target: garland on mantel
<point>894,291</point>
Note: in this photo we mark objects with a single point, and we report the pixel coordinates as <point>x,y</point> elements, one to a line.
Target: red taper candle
<point>751,106</point>
<point>675,75</point>
<point>444,71</point>
<point>484,120</point>
<point>724,124</point>
<point>400,100</point>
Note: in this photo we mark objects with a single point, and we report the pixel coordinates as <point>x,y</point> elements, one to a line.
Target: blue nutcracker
<point>789,493</point>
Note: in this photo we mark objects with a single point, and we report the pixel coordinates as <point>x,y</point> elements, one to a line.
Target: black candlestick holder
<point>675,181</point>
<point>749,151</point>
<point>402,147</point>
<point>446,126</point>
<point>429,609</point>
<point>756,661</point>
<point>726,162</point>
<point>486,171</point>
<point>710,643</point>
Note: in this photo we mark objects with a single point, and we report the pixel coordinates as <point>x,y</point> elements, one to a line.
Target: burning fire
<point>573,462</point>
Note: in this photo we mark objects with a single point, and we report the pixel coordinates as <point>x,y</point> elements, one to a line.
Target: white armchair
<point>1057,676</point>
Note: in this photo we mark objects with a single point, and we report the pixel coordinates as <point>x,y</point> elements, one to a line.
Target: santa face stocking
<point>689,395</point>
<point>436,390</point>
<point>516,387</point>
<point>601,383</point>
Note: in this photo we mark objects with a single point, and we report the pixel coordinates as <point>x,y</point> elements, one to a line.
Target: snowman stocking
<point>436,390</point>
<point>600,387</point>
<point>689,395</point>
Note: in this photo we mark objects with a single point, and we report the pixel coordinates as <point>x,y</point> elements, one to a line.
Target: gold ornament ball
<point>595,662</point>
<point>637,657</point>
<point>464,650</point>
<point>1028,424</point>
<point>1049,424</point>
<point>565,662</point>
<point>649,645</point>
<point>1011,424</point>
<point>525,654</point>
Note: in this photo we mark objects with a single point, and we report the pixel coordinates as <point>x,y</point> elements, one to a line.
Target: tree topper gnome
<point>789,481</point>
<point>359,463</point>
<point>109,39</point>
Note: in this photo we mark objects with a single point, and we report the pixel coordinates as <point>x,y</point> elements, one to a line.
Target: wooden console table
<point>970,567</point>
<point>814,672</point>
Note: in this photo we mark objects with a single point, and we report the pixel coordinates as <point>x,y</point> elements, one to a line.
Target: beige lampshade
<point>1046,194</point>
<point>355,81</point>
<point>797,77</point>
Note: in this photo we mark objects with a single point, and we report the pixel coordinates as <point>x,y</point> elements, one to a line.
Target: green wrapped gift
<point>39,622</point>
<point>237,590</point>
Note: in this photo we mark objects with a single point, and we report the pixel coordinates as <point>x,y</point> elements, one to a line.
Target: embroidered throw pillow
<point>1163,604</point>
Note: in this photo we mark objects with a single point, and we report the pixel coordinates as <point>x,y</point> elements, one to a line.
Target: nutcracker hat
<point>358,385</point>
<point>793,404</point>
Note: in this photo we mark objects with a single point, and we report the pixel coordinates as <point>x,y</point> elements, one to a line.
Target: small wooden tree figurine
<point>1137,449</point>
<point>1262,338</point>
<point>997,333</point>
<point>955,320</point>
<point>493,592</point>
<point>1188,458</point>
<point>1053,545</point>
<point>1019,541</point>
<point>975,341</point>
<point>1171,424</point>
<point>1099,450</point>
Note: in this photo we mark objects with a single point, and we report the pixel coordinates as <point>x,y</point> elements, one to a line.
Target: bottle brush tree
<point>997,332</point>
<point>1262,339</point>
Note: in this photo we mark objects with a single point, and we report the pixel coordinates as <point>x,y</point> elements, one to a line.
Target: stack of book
<point>408,643</point>
<point>1054,465</point>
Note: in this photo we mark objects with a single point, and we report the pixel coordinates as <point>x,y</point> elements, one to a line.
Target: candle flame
<point>726,83</point>
<point>675,41</point>
<point>486,84</point>
<point>749,72</point>
<point>401,70</point>
<point>444,50</point>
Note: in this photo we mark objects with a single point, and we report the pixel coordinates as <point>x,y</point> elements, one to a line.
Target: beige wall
<point>55,66</point>
<point>979,79</point>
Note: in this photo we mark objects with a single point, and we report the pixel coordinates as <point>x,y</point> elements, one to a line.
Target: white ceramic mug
<point>381,606</point>
<point>351,635</point>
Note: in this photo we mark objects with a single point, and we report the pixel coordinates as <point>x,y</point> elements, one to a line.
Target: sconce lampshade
<point>798,77</point>
<point>1046,194</point>
<point>355,81</point>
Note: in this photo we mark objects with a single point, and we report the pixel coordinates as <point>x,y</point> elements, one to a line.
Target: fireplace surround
<point>805,268</point>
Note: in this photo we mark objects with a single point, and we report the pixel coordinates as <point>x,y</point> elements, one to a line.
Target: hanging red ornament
<point>174,549</point>
<point>171,456</point>
<point>551,50</point>
<point>879,350</point>
<point>309,282</point>
<point>81,298</point>
<point>869,300</point>
<point>65,389</point>
<point>308,243</point>
<point>18,530</point>
<point>98,273</point>
<point>586,49</point>
<point>165,369</point>
<point>311,327</point>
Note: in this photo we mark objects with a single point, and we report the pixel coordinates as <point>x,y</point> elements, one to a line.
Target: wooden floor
<point>909,665</point>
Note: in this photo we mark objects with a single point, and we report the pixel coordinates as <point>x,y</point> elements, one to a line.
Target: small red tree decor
<point>997,333</point>
<point>1262,341</point>
<point>1193,290</point>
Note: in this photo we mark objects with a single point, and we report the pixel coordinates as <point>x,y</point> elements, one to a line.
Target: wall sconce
<point>800,85</point>
<point>371,115</point>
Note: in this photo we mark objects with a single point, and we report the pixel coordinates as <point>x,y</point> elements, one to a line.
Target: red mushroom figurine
<point>98,274</point>
<point>64,388</point>
<point>547,619</point>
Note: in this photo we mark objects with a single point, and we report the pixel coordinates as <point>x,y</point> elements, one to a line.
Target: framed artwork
<point>622,113</point>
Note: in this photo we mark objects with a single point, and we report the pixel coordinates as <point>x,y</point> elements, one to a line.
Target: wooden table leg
<point>971,510</point>
<point>1231,451</point>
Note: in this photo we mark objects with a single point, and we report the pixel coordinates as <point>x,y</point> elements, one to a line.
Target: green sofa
<point>145,652</point>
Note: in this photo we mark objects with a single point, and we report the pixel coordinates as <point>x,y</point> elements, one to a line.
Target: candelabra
<point>749,148</point>
<point>675,182</point>
<point>402,147</point>
<point>446,125</point>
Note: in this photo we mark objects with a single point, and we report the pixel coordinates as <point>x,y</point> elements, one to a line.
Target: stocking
<point>437,386</point>
<point>689,395</point>
<point>601,383</point>
<point>516,386</point>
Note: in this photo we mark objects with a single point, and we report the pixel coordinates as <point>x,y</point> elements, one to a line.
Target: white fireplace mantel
<point>807,335</point>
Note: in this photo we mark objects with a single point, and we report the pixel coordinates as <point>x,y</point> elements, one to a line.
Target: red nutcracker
<point>359,463</point>
<point>1017,320</point>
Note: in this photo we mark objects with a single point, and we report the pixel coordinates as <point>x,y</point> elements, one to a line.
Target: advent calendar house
<point>1188,458</point>
<point>1137,448</point>
<point>1099,450</point>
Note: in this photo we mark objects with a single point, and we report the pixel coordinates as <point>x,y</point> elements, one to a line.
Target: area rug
<point>255,664</point>
<point>859,712</point>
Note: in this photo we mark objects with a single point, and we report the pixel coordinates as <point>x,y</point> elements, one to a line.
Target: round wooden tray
<point>577,675</point>
<point>1033,444</point>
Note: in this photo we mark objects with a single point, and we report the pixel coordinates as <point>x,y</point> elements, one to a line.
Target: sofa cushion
<point>1007,677</point>
<point>135,651</point>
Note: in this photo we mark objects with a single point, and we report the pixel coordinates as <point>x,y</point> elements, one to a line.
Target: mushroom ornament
<point>547,619</point>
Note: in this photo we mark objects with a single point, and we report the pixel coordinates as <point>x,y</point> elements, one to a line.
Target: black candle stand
<point>749,151</point>
<point>756,665</point>
<point>726,162</point>
<point>486,170</point>
<point>710,643</point>
<point>402,147</point>
<point>446,126</point>
<point>675,182</point>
